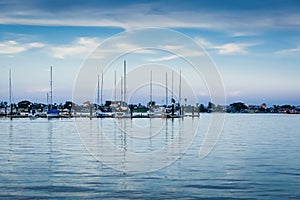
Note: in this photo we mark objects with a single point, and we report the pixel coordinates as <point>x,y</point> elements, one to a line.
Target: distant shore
<point>119,109</point>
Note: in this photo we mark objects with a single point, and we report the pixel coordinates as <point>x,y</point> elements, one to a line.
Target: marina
<point>123,109</point>
<point>111,109</point>
<point>192,100</point>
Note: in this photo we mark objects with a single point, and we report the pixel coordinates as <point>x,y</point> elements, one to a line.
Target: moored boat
<point>53,113</point>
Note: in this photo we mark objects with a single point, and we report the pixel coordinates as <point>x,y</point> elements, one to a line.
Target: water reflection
<point>50,154</point>
<point>137,145</point>
<point>10,141</point>
<point>43,159</point>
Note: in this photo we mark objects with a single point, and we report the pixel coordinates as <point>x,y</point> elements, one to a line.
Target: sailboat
<point>173,110</point>
<point>52,112</point>
<point>122,110</point>
<point>150,111</point>
<point>154,111</point>
<point>102,111</point>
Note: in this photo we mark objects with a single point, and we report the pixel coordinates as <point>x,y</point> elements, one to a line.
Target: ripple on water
<point>255,158</point>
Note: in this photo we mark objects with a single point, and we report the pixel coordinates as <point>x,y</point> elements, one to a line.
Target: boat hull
<point>53,113</point>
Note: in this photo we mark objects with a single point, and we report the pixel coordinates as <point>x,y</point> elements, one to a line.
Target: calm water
<point>256,157</point>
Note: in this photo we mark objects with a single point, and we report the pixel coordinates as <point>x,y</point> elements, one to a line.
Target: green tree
<point>202,109</point>
<point>211,106</point>
<point>238,106</point>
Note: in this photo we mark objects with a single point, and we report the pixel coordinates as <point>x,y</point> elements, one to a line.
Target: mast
<point>115,87</point>
<point>124,80</point>
<point>121,89</point>
<point>102,88</point>
<point>166,89</point>
<point>151,88</point>
<point>51,87</point>
<point>179,87</point>
<point>172,83</point>
<point>98,88</point>
<point>10,94</point>
<point>47,98</point>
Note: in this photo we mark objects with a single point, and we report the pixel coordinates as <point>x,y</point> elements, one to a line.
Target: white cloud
<point>148,15</point>
<point>81,47</point>
<point>203,42</point>
<point>84,46</point>
<point>126,46</point>
<point>243,34</point>
<point>133,16</point>
<point>177,52</point>
<point>232,48</point>
<point>35,45</point>
<point>117,47</point>
<point>227,48</point>
<point>164,58</point>
<point>289,51</point>
<point>171,47</point>
<point>12,47</point>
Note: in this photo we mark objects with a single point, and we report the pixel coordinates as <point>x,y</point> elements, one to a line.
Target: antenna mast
<point>51,86</point>
<point>98,88</point>
<point>179,87</point>
<point>115,87</point>
<point>102,88</point>
<point>166,89</point>
<point>172,83</point>
<point>150,89</point>
<point>10,94</point>
<point>121,89</point>
<point>124,80</point>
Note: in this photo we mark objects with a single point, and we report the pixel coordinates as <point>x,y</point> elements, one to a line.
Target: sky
<point>253,45</point>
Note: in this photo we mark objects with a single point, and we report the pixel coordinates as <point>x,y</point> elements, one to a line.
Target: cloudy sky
<point>255,45</point>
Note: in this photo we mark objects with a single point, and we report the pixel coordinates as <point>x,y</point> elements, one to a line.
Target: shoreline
<point>87,115</point>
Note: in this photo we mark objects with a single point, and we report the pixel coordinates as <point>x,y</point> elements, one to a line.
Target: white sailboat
<point>171,111</point>
<point>52,112</point>
<point>102,111</point>
<point>153,111</point>
<point>122,110</point>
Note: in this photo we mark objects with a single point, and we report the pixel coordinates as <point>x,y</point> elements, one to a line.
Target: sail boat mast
<point>124,80</point>
<point>51,86</point>
<point>101,88</point>
<point>115,87</point>
<point>121,89</point>
<point>150,88</point>
<point>98,88</point>
<point>10,94</point>
<point>52,113</point>
<point>172,84</point>
<point>166,89</point>
<point>179,100</point>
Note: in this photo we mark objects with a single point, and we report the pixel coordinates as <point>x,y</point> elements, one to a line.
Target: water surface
<point>256,157</point>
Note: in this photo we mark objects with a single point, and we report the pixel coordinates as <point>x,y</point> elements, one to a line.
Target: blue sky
<point>254,44</point>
